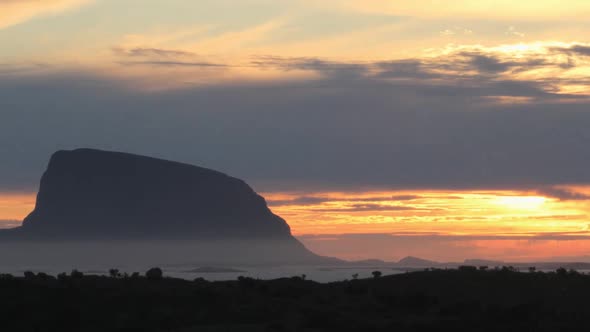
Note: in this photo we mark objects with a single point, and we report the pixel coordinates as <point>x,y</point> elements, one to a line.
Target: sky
<point>376,128</point>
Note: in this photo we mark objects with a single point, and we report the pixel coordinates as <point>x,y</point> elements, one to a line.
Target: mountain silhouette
<point>89,194</point>
<point>411,261</point>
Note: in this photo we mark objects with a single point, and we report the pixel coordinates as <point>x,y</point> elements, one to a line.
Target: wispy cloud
<point>464,8</point>
<point>151,52</point>
<point>456,31</point>
<point>575,49</point>
<point>529,70</point>
<point>18,11</point>
<point>512,31</point>
<point>160,57</point>
<point>307,200</point>
<point>563,194</point>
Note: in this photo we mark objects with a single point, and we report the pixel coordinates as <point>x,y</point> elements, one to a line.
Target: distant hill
<point>88,195</point>
<point>411,261</point>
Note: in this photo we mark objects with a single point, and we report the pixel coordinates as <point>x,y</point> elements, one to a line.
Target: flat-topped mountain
<point>90,194</point>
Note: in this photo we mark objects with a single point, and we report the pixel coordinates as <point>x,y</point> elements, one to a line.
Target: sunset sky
<point>377,128</point>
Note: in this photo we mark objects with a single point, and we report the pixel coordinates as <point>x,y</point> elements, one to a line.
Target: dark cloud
<point>468,68</point>
<point>405,69</point>
<point>488,64</point>
<point>563,194</point>
<point>333,132</point>
<point>330,69</point>
<point>580,50</point>
<point>151,52</point>
<point>315,200</point>
<point>367,208</point>
<point>405,197</point>
<point>162,58</point>
<point>492,64</point>
<point>577,49</point>
<point>302,200</point>
<point>173,64</point>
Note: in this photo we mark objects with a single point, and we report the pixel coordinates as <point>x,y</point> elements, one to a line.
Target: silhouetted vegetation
<point>466,299</point>
<point>154,274</point>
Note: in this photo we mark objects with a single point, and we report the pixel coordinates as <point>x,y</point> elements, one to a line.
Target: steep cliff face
<point>99,194</point>
<point>95,206</point>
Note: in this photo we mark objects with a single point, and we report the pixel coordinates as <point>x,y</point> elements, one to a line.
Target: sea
<point>320,274</point>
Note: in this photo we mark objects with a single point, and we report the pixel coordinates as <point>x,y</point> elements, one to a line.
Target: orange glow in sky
<point>515,225</point>
<point>441,212</point>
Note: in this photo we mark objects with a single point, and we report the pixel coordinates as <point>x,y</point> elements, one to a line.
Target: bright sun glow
<point>521,202</point>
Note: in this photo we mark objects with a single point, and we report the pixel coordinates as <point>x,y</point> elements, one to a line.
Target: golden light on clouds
<point>471,9</point>
<point>530,203</point>
<point>17,11</point>
<point>405,62</point>
<point>424,212</point>
<point>243,56</point>
<point>407,212</point>
<point>444,225</point>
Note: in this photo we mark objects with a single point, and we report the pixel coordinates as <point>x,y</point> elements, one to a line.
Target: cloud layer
<point>397,124</point>
<point>17,11</point>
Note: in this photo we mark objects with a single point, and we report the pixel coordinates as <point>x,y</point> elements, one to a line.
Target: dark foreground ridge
<point>441,300</point>
<point>89,194</point>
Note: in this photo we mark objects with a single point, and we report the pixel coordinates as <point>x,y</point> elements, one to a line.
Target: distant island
<point>89,195</point>
<point>120,208</point>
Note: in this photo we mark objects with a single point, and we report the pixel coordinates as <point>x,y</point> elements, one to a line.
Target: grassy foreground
<point>451,300</point>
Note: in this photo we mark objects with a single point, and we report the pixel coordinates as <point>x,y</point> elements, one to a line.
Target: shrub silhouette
<point>75,274</point>
<point>467,268</point>
<point>154,274</point>
<point>114,273</point>
<point>44,276</point>
<point>434,300</point>
<point>376,274</point>
<point>201,280</point>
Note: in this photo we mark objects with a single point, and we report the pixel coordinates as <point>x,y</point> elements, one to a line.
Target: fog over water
<point>215,260</point>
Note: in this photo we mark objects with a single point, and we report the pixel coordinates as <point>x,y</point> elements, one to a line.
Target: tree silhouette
<point>154,274</point>
<point>376,274</point>
<point>62,276</point>
<point>114,273</point>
